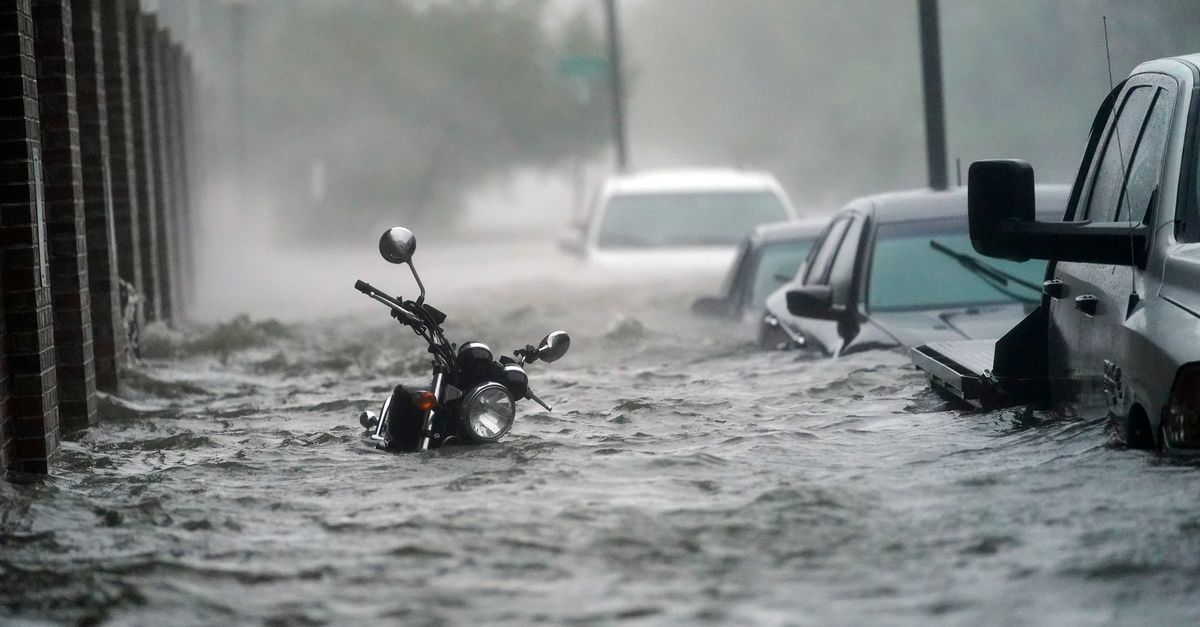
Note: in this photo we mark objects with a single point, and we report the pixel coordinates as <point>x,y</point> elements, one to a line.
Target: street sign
<point>582,67</point>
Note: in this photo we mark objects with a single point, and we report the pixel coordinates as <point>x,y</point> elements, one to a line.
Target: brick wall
<point>63,183</point>
<point>91,101</point>
<point>192,162</point>
<point>29,421</point>
<point>143,151</point>
<point>156,97</point>
<point>180,175</point>
<point>121,141</point>
<point>66,233</point>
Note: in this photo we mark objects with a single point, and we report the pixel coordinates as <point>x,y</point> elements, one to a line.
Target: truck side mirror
<point>998,192</point>
<point>1000,205</point>
<point>812,301</point>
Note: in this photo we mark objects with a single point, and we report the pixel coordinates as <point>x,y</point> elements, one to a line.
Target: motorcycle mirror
<point>554,346</point>
<point>397,245</point>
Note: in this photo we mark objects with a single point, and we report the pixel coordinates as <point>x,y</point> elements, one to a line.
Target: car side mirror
<point>812,301</point>
<point>713,306</point>
<point>571,241</point>
<point>1000,207</point>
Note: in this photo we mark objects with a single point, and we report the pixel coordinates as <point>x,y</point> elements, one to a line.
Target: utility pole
<point>617,83</point>
<point>935,108</point>
<point>238,10</point>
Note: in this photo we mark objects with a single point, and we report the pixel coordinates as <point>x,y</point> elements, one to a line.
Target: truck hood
<point>911,328</point>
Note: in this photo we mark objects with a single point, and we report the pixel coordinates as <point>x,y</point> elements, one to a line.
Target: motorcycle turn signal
<point>425,400</point>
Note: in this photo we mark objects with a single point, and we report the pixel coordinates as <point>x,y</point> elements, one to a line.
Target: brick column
<point>156,97</point>
<point>178,175</point>
<point>143,151</point>
<point>107,330</point>
<point>121,142</point>
<point>65,226</point>
<point>29,423</point>
<point>192,163</point>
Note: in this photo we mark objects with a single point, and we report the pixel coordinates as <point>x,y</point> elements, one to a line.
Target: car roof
<point>690,180</point>
<point>1150,65</point>
<point>930,204</point>
<point>790,231</point>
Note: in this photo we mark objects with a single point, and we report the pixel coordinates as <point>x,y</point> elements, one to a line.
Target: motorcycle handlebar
<point>398,310</point>
<point>374,292</point>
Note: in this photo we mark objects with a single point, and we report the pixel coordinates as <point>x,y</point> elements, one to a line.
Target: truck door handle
<point>1054,288</point>
<point>1087,304</point>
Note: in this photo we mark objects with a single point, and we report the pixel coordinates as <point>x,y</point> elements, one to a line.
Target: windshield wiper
<point>626,240</point>
<point>987,271</point>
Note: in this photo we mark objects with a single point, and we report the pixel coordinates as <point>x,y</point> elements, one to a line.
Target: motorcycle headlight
<point>1182,425</point>
<point>488,412</point>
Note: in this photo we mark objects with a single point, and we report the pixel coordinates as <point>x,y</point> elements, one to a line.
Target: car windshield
<point>686,218</point>
<point>908,273</point>
<point>777,263</point>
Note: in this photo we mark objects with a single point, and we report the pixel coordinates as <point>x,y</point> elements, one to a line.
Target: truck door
<point>1089,308</point>
<point>823,334</point>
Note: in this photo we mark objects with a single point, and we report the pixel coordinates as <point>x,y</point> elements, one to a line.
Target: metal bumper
<point>963,370</point>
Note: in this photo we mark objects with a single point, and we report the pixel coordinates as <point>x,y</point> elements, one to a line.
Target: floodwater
<point>683,478</point>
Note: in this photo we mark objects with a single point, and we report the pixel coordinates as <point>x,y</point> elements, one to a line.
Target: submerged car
<point>687,220</point>
<point>767,258</point>
<point>896,270</point>
<point>1119,316</point>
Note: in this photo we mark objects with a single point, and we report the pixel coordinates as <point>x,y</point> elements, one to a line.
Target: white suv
<point>689,219</point>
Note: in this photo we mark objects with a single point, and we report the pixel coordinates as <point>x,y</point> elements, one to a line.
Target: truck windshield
<point>908,274</point>
<point>685,218</point>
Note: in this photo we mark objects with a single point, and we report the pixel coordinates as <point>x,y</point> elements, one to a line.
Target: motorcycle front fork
<point>379,437</point>
<point>438,389</point>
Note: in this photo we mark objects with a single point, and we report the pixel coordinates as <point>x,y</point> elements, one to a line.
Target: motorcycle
<point>472,397</point>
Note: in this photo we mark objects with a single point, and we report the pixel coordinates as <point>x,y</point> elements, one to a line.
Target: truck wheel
<point>1138,433</point>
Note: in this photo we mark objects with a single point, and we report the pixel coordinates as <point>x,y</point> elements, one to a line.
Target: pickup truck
<point>1118,327</point>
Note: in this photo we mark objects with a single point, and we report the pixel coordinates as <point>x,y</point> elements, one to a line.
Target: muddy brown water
<point>683,478</point>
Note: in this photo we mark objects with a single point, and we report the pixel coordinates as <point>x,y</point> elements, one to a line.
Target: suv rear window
<point>686,219</point>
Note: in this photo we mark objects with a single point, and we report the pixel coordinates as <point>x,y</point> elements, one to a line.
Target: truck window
<point>818,263</point>
<point>1147,159</point>
<point>841,272</point>
<point>1107,182</point>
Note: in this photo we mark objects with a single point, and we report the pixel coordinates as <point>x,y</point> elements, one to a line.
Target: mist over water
<point>455,117</point>
<point>683,477</point>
